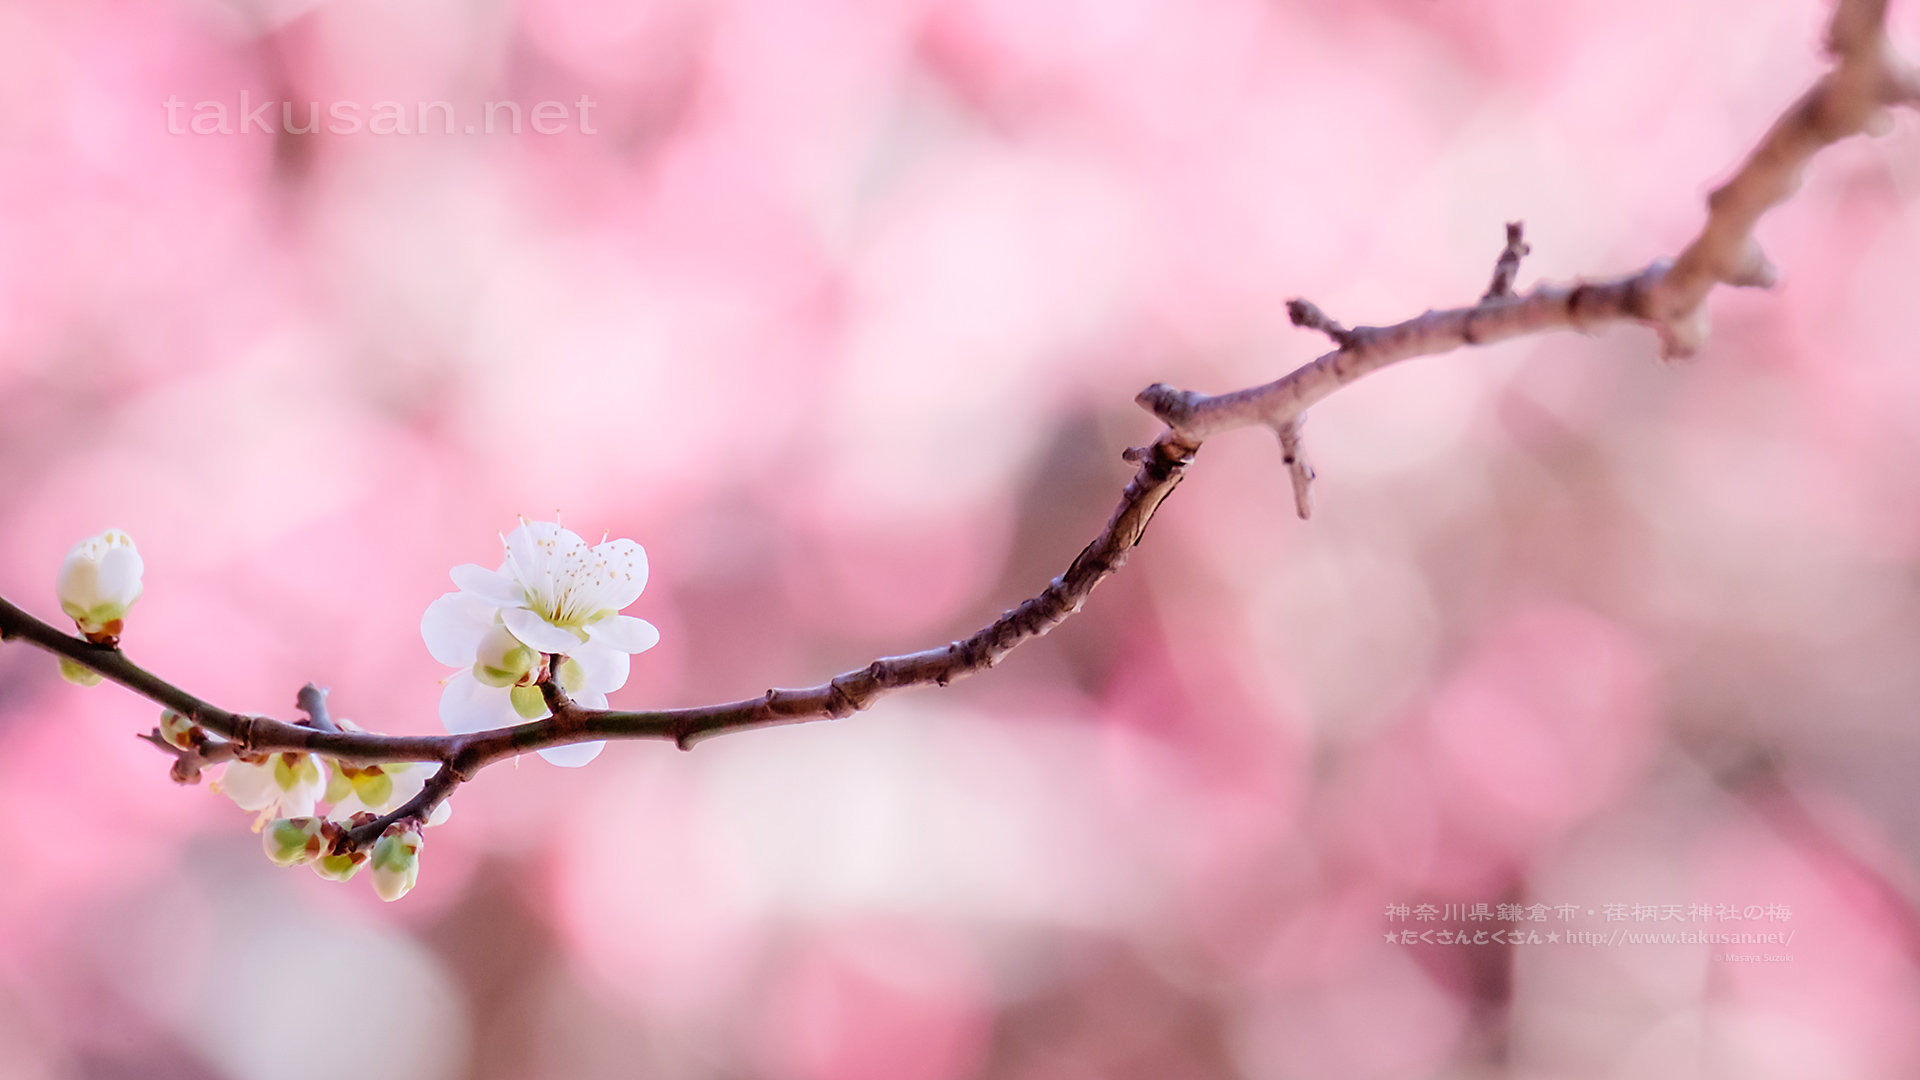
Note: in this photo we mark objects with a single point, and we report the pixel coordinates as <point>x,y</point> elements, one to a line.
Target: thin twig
<point>1507,266</point>
<point>312,700</point>
<point>1298,470</point>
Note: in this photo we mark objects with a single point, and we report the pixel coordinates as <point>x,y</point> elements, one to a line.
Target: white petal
<point>346,808</point>
<point>536,550</point>
<point>492,586</point>
<point>603,670</point>
<point>537,632</point>
<point>590,699</point>
<point>251,787</point>
<point>297,803</point>
<point>453,627</point>
<point>407,781</point>
<point>572,757</point>
<point>120,570</point>
<point>466,705</point>
<point>440,813</point>
<point>78,583</point>
<point>625,633</point>
<point>623,570</point>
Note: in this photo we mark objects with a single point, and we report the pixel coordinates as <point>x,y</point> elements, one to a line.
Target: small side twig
<point>1308,316</point>
<point>1507,266</point>
<point>187,764</point>
<point>312,700</point>
<point>1298,470</point>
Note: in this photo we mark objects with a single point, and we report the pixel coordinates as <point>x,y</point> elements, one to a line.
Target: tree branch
<point>1668,296</point>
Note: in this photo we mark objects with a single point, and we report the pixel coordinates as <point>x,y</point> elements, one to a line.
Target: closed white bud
<point>98,582</point>
<point>396,861</point>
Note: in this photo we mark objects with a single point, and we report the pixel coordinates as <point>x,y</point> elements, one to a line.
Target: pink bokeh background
<point>840,311</point>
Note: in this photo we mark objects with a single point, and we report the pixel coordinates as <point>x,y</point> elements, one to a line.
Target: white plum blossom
<point>285,785</point>
<point>553,596</point>
<point>98,581</point>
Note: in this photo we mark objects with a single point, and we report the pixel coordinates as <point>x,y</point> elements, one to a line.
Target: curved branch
<point>1161,467</point>
<point>1668,296</point>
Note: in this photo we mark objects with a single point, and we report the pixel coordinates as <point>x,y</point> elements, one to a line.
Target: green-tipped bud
<point>572,675</point>
<point>340,867</point>
<point>528,702</point>
<point>179,731</point>
<point>502,660</point>
<point>78,674</point>
<point>294,841</point>
<point>396,861</point>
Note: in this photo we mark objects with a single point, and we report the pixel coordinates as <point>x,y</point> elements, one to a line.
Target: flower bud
<point>78,674</point>
<point>340,867</point>
<point>396,861</point>
<point>293,841</point>
<point>98,582</point>
<point>179,731</point>
<point>502,660</point>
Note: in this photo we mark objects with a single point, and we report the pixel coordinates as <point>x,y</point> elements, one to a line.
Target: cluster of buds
<point>305,804</point>
<point>317,842</point>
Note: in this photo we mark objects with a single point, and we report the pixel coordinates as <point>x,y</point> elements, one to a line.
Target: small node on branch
<point>1307,316</point>
<point>1507,266</point>
<point>1298,470</point>
<point>1171,406</point>
<point>1682,336</point>
<point>1754,271</point>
